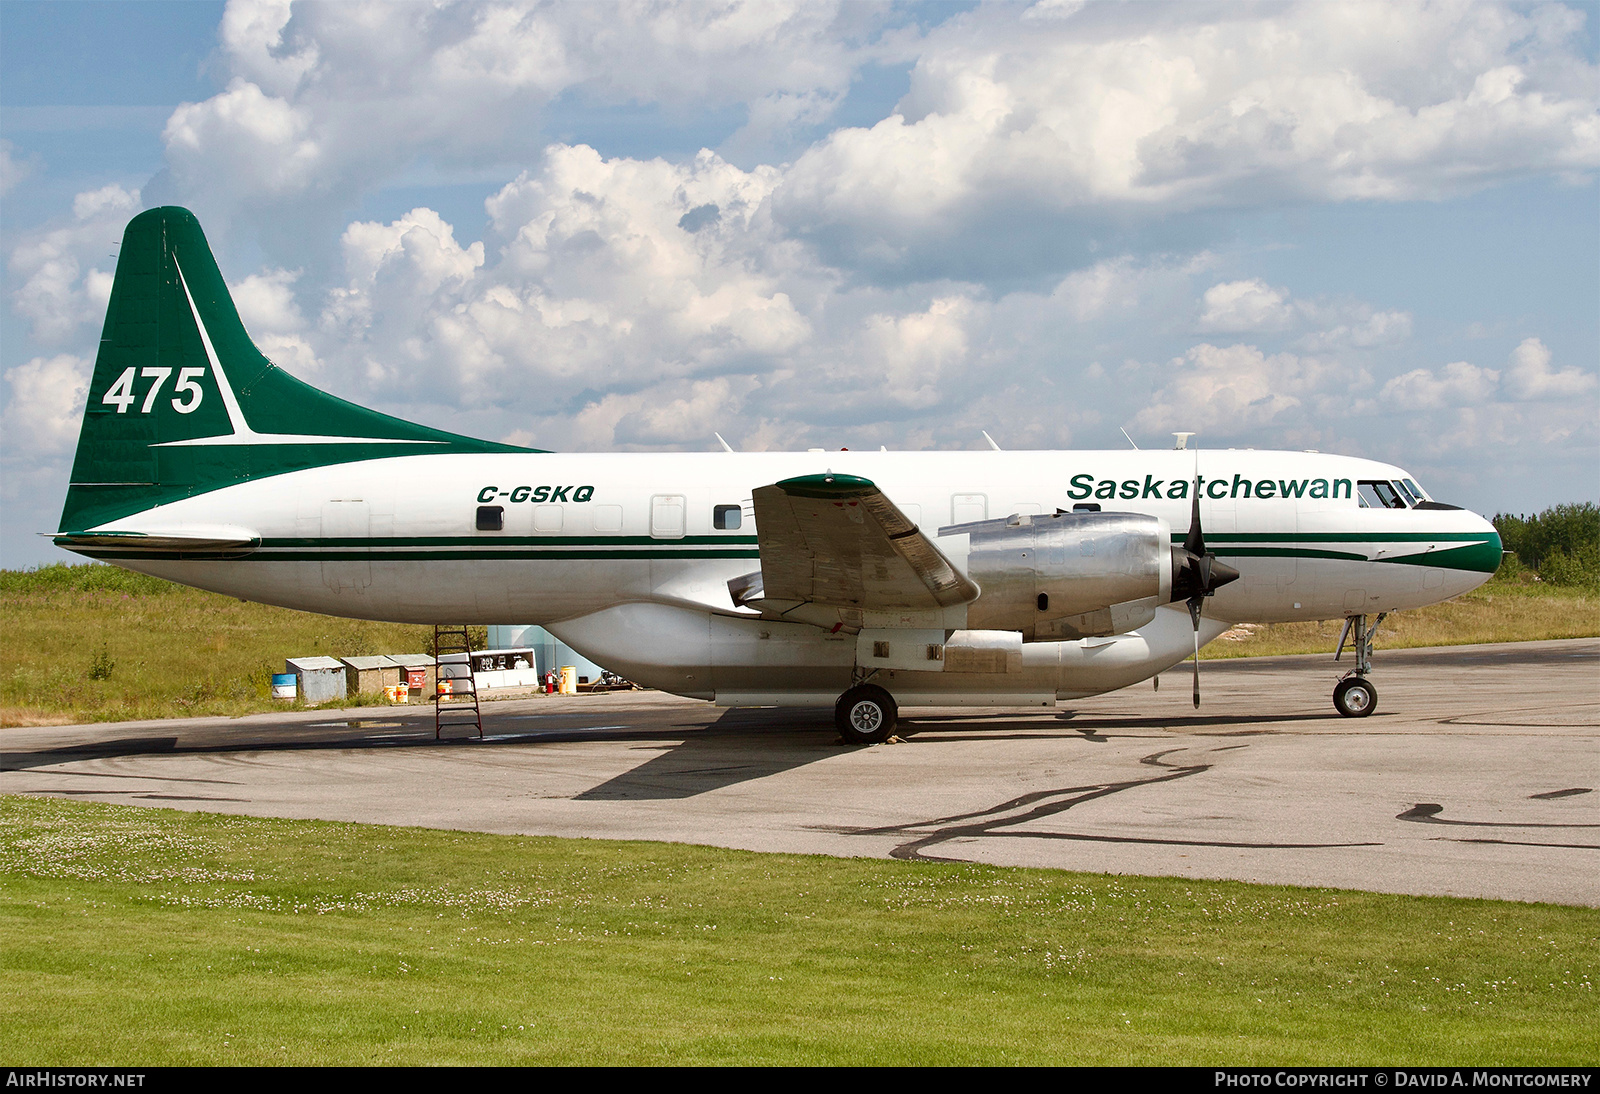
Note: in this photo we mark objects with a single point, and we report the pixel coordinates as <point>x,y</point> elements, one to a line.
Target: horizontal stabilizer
<point>220,541</point>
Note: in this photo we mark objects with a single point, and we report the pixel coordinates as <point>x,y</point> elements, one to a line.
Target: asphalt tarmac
<point>1478,776</point>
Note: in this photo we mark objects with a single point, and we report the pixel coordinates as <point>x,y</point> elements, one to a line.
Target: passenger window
<point>491,518</point>
<point>726,518</point>
<point>608,518</point>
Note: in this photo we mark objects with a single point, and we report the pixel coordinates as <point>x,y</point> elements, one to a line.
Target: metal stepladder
<point>454,686</point>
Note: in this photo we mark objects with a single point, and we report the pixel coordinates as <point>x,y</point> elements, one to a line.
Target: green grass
<point>1499,611</point>
<point>142,937</point>
<point>95,643</point>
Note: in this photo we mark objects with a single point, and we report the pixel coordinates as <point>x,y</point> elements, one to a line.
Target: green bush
<point>83,577</point>
<point>1562,544</point>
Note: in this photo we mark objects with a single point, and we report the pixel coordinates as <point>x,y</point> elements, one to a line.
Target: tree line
<point>1561,545</point>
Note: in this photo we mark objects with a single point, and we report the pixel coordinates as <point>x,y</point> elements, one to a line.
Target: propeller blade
<point>1194,616</point>
<point>1197,668</point>
<point>1195,541</point>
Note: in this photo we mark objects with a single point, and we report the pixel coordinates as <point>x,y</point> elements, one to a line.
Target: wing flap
<point>838,540</point>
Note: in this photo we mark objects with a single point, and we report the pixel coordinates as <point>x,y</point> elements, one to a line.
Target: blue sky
<point>1371,229</point>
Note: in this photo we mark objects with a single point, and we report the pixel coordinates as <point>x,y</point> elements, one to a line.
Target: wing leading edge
<point>837,540</point>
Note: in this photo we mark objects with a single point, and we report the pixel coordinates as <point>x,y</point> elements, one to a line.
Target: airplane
<point>862,581</point>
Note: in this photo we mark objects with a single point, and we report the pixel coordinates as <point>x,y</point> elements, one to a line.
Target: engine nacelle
<point>1071,575</point>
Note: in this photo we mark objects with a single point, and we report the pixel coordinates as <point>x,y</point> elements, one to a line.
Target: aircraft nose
<point>1493,542</point>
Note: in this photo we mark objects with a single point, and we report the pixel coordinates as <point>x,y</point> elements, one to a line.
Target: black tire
<point>866,715</point>
<point>1355,697</point>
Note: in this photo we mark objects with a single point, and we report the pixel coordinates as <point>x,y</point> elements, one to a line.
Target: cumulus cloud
<point>1245,306</point>
<point>327,99</point>
<point>614,274</point>
<point>269,311</point>
<point>911,355</point>
<point>1229,390</point>
<point>1457,384</point>
<point>1530,378</point>
<point>63,286</point>
<point>1253,306</point>
<point>45,404</point>
<point>1204,105</point>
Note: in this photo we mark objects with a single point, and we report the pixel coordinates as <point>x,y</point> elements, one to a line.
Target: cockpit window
<point>1416,491</point>
<point>1380,494</point>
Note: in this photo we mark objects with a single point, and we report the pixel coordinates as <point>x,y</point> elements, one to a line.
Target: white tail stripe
<point>242,433</point>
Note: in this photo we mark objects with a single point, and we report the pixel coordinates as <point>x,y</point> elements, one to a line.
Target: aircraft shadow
<point>740,746</point>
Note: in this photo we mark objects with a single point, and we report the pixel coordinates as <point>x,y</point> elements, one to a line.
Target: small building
<point>320,678</point>
<point>370,675</point>
<point>550,654</point>
<point>507,668</point>
<point>417,671</point>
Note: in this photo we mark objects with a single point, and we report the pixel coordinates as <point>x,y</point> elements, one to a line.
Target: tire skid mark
<point>1428,813</point>
<point>999,819</point>
<point>1519,843</point>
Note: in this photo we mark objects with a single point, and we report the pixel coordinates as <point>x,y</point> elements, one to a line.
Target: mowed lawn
<point>137,937</point>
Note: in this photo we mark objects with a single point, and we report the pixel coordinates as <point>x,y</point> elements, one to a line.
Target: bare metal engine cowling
<point>1071,575</point>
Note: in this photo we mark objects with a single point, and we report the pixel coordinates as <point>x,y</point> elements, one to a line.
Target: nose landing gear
<point>1354,696</point>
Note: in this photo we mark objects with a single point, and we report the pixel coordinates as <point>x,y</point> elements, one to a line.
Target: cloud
<point>1236,389</point>
<point>1457,384</point>
<point>911,355</point>
<point>1253,306</point>
<point>330,99</point>
<point>614,274</point>
<point>1245,306</point>
<point>63,286</point>
<point>45,405</point>
<point>1529,378</point>
<point>12,169</point>
<point>270,313</point>
<point>1181,108</point>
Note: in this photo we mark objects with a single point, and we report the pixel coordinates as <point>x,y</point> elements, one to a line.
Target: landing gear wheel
<point>866,715</point>
<point>1355,697</point>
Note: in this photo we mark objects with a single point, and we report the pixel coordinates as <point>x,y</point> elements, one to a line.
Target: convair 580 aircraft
<point>865,581</point>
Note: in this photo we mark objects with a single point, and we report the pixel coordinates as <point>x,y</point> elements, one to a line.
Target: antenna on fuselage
<point>726,447</point>
<point>1130,439</point>
<point>1183,442</point>
<point>990,439</point>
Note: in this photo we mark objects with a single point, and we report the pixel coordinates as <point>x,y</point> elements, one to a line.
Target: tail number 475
<point>121,394</point>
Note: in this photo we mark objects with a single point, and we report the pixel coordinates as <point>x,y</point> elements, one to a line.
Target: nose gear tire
<point>1355,697</point>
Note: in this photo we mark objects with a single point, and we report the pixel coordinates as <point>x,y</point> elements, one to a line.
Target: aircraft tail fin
<point>182,402</point>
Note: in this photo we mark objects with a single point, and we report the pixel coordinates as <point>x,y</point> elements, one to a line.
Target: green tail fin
<point>182,402</point>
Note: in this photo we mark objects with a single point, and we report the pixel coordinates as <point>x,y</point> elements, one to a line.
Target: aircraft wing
<point>837,540</point>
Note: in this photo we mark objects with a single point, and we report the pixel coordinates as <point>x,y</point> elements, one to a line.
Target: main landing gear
<point>866,715</point>
<point>1354,696</point>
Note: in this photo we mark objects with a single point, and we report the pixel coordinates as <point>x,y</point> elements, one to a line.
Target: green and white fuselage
<point>202,463</point>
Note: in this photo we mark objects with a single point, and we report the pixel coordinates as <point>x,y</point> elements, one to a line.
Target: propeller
<point>1196,574</point>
